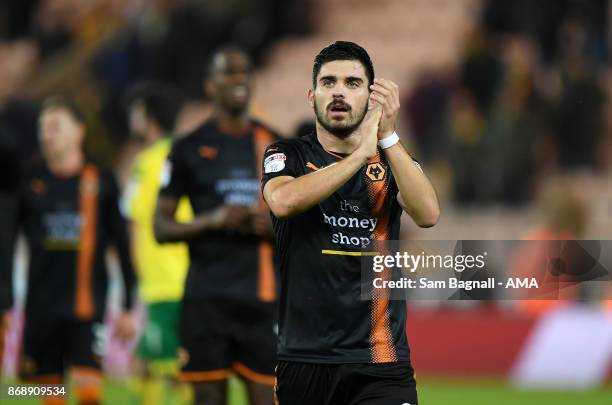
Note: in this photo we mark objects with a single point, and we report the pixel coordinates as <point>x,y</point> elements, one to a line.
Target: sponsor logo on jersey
<point>275,163</point>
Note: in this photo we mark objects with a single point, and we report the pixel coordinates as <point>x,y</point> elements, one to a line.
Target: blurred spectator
<point>482,70</point>
<point>577,99</point>
<point>515,118</point>
<point>18,62</point>
<point>562,211</point>
<point>9,183</point>
<point>15,18</point>
<point>543,19</point>
<point>512,127</point>
<point>426,109</point>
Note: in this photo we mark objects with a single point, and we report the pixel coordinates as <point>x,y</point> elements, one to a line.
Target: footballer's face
<point>59,133</point>
<point>340,96</point>
<point>137,119</point>
<point>230,81</point>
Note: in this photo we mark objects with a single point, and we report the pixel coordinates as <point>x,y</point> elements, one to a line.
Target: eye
<point>327,82</point>
<point>353,84</point>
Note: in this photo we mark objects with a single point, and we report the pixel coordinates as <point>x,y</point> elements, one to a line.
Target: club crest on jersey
<point>375,171</point>
<point>38,186</point>
<point>275,163</point>
<point>208,152</point>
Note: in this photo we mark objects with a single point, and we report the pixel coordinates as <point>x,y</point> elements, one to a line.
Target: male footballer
<point>339,191</point>
<point>229,306</point>
<point>69,213</point>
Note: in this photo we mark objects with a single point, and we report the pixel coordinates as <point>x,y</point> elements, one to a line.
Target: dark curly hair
<point>161,102</point>
<point>342,50</point>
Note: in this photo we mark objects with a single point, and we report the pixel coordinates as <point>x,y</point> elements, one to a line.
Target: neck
<point>66,165</point>
<point>153,136</point>
<point>336,144</point>
<point>234,124</point>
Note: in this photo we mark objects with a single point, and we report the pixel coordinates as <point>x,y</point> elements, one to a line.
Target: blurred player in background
<point>161,269</point>
<point>228,309</point>
<point>69,213</point>
<point>333,194</point>
<point>9,186</point>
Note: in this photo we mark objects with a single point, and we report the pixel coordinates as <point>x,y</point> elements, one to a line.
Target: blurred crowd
<point>527,102</point>
<point>94,50</point>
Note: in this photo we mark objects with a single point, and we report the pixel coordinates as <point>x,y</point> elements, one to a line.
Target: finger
<point>380,100</point>
<point>376,88</point>
<point>239,213</point>
<point>390,101</point>
<point>388,85</point>
<point>391,98</point>
<point>387,98</point>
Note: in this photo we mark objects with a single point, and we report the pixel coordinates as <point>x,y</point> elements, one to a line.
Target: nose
<point>238,78</point>
<point>44,134</point>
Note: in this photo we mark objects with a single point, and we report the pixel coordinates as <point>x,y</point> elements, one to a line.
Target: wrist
<point>361,156</point>
<point>205,222</point>
<point>389,141</point>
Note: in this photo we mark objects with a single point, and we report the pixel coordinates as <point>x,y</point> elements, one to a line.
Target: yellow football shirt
<point>161,268</point>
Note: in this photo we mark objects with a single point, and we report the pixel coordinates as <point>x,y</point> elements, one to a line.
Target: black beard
<point>341,133</point>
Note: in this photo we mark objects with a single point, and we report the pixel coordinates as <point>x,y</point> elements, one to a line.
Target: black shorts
<point>219,336</point>
<point>345,384</point>
<point>51,346</point>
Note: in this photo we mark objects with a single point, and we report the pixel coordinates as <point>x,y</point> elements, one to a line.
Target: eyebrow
<point>348,78</point>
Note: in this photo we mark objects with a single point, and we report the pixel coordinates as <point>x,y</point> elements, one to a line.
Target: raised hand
<point>386,93</point>
<point>369,130</point>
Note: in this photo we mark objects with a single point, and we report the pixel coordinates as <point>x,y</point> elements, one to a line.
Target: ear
<point>82,132</point>
<point>151,125</point>
<point>311,98</point>
<point>209,88</point>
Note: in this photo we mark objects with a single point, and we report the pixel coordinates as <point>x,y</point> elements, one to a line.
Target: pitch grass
<point>432,391</point>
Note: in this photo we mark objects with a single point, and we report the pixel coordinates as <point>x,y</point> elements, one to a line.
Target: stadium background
<point>507,105</point>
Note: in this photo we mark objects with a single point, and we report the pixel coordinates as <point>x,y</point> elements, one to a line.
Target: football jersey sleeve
<point>119,234</point>
<point>174,175</point>
<point>129,199</point>
<point>280,159</point>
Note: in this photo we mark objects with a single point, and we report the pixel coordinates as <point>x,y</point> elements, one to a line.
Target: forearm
<point>302,193</point>
<point>127,271</point>
<point>418,196</point>
<point>8,214</point>
<point>122,235</point>
<point>168,230</point>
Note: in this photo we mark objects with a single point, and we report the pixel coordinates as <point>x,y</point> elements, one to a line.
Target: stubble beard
<point>340,132</point>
